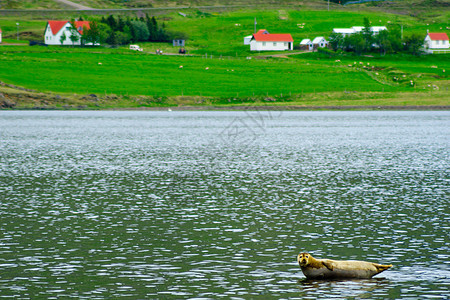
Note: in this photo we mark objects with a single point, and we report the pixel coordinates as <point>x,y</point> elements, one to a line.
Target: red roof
<point>56,26</point>
<point>81,24</point>
<point>264,36</point>
<point>441,36</point>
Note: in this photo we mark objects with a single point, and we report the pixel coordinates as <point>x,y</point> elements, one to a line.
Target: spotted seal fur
<point>314,268</point>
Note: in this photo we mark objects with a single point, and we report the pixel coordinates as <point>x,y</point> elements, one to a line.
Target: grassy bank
<point>71,78</point>
<point>12,97</point>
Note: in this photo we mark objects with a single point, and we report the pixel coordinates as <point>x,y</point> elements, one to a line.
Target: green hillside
<point>219,69</point>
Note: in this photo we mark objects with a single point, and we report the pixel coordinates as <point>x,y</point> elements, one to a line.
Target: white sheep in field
<point>180,67</point>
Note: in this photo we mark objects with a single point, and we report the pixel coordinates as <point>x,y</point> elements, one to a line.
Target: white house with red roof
<point>264,41</point>
<point>0,35</point>
<point>57,29</point>
<point>437,42</point>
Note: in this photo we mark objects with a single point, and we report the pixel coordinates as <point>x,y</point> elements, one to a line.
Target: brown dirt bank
<point>15,97</point>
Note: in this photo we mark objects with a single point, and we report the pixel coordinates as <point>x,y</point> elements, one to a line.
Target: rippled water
<point>100,205</point>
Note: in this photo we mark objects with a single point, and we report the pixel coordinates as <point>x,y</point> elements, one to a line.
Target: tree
<point>153,29</point>
<point>112,38</point>
<point>74,35</point>
<point>120,24</point>
<point>141,30</point>
<point>95,34</point>
<point>62,38</point>
<point>111,22</point>
<point>414,43</point>
<point>122,38</point>
<point>336,41</point>
<point>130,28</point>
<point>367,35</point>
<point>357,43</point>
<point>395,38</point>
<point>383,42</point>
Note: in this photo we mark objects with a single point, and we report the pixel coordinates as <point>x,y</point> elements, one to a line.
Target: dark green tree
<point>395,38</point>
<point>414,44</point>
<point>383,42</point>
<point>96,34</point>
<point>122,38</point>
<point>120,24</point>
<point>112,38</point>
<point>357,43</point>
<point>74,35</point>
<point>141,30</point>
<point>367,35</point>
<point>153,29</point>
<point>111,21</point>
<point>336,41</point>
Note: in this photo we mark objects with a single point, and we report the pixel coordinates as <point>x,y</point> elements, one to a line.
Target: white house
<point>344,31</point>
<point>376,29</point>
<point>437,42</point>
<point>306,44</point>
<point>264,41</point>
<point>320,42</point>
<point>56,29</point>
<point>358,29</point>
<point>0,35</point>
<point>247,39</point>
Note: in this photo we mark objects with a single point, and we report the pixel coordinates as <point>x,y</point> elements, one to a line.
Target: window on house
<point>285,44</point>
<point>274,44</point>
<point>264,43</point>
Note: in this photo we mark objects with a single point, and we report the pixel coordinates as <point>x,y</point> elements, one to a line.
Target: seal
<point>314,268</point>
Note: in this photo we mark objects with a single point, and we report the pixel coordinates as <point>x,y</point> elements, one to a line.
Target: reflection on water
<point>218,204</point>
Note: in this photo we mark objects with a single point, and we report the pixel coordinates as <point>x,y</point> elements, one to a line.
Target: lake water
<point>102,205</point>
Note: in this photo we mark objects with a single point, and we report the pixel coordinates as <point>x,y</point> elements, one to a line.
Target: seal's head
<point>303,259</point>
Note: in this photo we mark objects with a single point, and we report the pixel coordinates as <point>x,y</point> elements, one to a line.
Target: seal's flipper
<point>381,268</point>
<point>328,265</point>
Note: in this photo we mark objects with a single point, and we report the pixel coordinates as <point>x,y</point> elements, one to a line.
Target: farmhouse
<point>437,41</point>
<point>264,41</point>
<point>0,35</point>
<point>55,31</point>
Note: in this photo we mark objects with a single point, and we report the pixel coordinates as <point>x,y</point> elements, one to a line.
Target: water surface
<point>101,205</point>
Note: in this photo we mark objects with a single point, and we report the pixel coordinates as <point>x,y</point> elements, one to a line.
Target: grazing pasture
<point>136,74</point>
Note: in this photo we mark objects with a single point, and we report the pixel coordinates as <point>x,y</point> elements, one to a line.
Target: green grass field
<point>228,74</point>
<point>125,72</point>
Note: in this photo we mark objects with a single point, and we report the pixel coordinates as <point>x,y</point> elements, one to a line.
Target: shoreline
<point>251,108</point>
<point>14,97</point>
<point>286,108</point>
